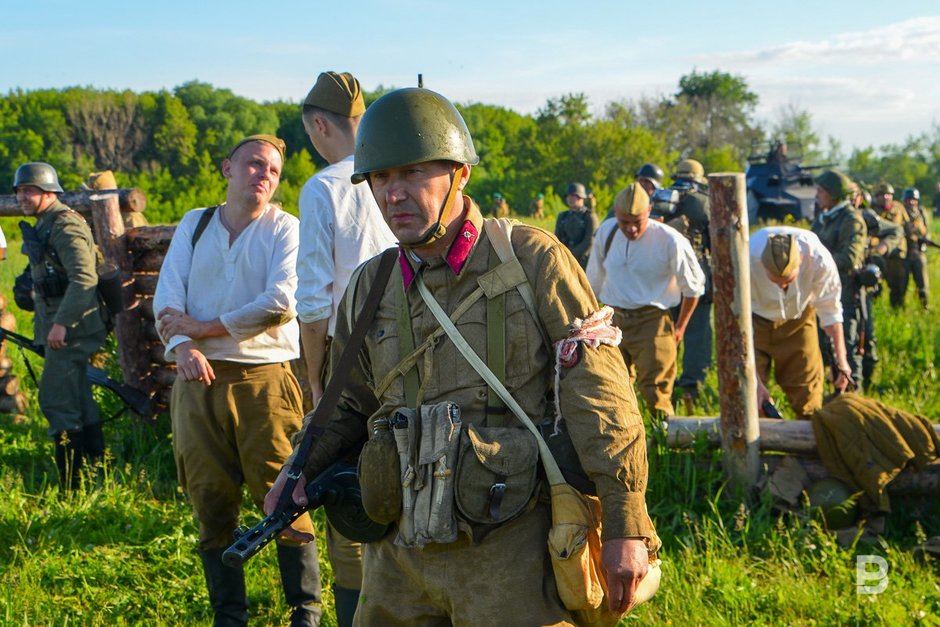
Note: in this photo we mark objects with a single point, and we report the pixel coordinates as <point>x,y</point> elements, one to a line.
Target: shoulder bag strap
<point>203,223</point>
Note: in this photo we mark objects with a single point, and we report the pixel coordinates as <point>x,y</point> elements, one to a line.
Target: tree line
<point>170,142</point>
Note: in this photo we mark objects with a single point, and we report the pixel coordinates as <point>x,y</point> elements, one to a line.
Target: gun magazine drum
<point>343,508</point>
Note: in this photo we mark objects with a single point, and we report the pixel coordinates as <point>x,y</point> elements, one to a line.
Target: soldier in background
<point>537,206</point>
<point>896,273</point>
<point>843,232</point>
<point>650,177</point>
<point>693,214</point>
<point>68,321</point>
<point>500,207</point>
<point>914,231</point>
<point>575,227</point>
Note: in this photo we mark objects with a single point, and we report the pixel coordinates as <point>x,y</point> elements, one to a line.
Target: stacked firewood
<point>12,400</point>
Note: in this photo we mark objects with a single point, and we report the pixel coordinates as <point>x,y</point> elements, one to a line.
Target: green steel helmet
<point>37,174</point>
<point>911,193</point>
<point>836,501</point>
<point>408,126</point>
<point>836,183</point>
<point>652,172</point>
<point>885,188</point>
<point>576,189</point>
<point>690,170</point>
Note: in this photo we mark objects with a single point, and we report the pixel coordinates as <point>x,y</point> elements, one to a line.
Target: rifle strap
<point>203,223</point>
<point>337,381</point>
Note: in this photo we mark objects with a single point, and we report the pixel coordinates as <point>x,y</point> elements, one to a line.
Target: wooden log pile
<point>12,400</point>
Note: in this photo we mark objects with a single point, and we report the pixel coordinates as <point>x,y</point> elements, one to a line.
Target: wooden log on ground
<point>6,365</point>
<point>795,437</point>
<point>156,351</point>
<point>7,321</point>
<point>147,238</point>
<point>129,199</point>
<point>737,385</point>
<point>149,261</point>
<point>3,302</point>
<point>146,309</point>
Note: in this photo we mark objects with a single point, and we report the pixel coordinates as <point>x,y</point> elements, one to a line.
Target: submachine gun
<point>337,490</point>
<point>131,398</point>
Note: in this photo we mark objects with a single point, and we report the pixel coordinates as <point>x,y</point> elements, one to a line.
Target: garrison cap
<point>337,93</point>
<point>277,142</point>
<point>781,255</point>
<point>632,200</point>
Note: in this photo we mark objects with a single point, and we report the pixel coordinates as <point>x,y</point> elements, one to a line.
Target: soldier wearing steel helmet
<point>693,212</point>
<point>415,153</point>
<point>915,230</point>
<point>575,227</point>
<point>843,231</point>
<point>68,318</point>
<point>896,272</point>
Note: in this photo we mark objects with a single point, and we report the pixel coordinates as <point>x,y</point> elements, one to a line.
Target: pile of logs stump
<point>12,401</point>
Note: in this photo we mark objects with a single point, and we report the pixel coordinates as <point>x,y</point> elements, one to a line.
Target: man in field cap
<point>842,230</point>
<point>794,280</point>
<point>340,227</point>
<point>414,151</point>
<point>225,303</point>
<point>643,268</point>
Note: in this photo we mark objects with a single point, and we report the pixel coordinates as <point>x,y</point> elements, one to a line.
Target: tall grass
<point>122,551</point>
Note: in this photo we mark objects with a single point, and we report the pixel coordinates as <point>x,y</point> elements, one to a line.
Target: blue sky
<point>867,71</point>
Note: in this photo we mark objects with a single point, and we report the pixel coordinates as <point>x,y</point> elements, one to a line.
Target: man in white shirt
<point>225,303</point>
<point>642,268</point>
<point>340,227</point>
<point>794,279</point>
<point>3,246</point>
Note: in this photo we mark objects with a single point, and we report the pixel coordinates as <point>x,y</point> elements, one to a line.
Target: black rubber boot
<point>93,440</point>
<point>345,601</point>
<point>226,590</point>
<point>69,453</point>
<point>300,576</point>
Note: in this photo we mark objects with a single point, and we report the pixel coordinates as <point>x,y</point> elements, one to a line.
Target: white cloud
<point>915,40</point>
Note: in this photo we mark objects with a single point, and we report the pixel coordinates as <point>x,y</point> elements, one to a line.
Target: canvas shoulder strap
<point>203,223</point>
<point>609,241</point>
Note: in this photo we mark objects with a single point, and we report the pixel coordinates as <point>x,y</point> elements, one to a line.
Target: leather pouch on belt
<point>497,473</point>
<point>427,441</point>
<point>379,475</point>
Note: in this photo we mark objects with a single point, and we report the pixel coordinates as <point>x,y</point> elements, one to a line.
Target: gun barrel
<point>256,538</point>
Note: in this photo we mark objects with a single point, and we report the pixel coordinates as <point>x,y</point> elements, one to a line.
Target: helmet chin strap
<point>439,230</point>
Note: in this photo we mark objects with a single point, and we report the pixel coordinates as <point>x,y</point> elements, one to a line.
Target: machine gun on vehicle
<point>337,490</point>
<point>131,398</point>
<point>778,185</point>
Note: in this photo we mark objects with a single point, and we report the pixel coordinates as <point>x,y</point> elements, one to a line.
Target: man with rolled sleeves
<point>842,230</point>
<point>226,309</point>
<point>575,227</point>
<point>647,269</point>
<point>415,153</point>
<point>68,320</point>
<point>793,280</point>
<point>340,227</point>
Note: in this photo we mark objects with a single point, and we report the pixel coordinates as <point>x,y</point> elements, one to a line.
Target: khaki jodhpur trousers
<point>506,579</point>
<point>793,348</point>
<point>235,431</point>
<point>649,350</point>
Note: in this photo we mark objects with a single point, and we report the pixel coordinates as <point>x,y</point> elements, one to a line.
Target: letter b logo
<point>871,574</point>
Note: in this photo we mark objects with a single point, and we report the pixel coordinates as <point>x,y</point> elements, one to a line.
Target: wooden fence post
<point>740,431</point>
<point>109,230</point>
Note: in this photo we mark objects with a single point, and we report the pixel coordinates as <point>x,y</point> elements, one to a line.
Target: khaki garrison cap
<point>337,93</point>
<point>781,255</point>
<point>632,200</point>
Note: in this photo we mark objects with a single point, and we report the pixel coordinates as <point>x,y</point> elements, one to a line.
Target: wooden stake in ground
<point>737,393</point>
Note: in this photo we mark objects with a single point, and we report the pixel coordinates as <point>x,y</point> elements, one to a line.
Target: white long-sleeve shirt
<point>658,268</point>
<point>249,286</point>
<point>340,227</point>
<point>817,282</point>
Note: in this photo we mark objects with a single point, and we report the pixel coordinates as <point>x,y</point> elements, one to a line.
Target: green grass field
<point>123,551</point>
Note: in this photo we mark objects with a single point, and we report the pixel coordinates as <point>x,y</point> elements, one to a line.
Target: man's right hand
<point>192,365</point>
<point>273,496</point>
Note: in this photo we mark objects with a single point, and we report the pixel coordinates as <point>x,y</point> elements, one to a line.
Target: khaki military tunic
<point>598,404</point>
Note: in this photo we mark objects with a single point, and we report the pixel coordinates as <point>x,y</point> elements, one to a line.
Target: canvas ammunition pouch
<point>51,285</point>
<point>23,290</point>
<point>427,441</point>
